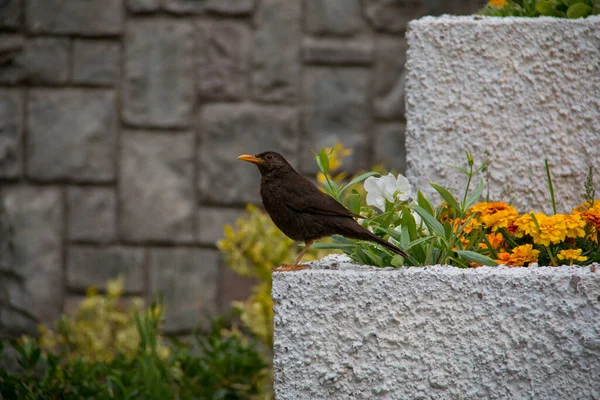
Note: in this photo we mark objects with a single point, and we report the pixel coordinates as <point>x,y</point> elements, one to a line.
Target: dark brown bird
<point>303,212</point>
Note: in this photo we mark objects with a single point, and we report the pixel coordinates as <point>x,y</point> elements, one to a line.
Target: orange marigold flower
<point>520,256</point>
<point>592,217</point>
<point>590,213</point>
<point>571,255</point>
<point>495,239</point>
<point>498,3</point>
<point>494,215</point>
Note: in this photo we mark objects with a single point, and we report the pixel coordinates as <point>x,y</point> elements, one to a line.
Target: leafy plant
<point>535,8</point>
<point>228,366</point>
<point>460,231</point>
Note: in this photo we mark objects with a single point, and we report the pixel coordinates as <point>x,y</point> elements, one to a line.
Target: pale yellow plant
<point>101,327</point>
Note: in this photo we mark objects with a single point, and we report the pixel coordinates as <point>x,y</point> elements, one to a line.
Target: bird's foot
<point>288,267</point>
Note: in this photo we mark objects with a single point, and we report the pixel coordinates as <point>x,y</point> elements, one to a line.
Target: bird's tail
<point>365,234</point>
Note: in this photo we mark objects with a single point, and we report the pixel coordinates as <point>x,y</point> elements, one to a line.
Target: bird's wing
<point>304,196</point>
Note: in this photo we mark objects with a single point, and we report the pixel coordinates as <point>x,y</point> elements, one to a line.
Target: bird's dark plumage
<point>300,210</point>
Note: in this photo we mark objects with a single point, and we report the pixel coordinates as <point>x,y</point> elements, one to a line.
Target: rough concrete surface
<point>522,89</point>
<point>349,332</point>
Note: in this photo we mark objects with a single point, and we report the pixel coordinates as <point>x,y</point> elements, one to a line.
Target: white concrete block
<point>522,89</point>
<point>348,332</point>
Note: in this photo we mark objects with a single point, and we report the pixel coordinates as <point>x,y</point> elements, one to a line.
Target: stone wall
<point>120,123</point>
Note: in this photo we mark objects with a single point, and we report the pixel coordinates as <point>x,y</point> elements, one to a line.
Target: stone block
<point>91,214</point>
<point>14,324</point>
<point>36,60</point>
<point>12,68</point>
<point>228,130</point>
<point>82,17</point>
<point>389,78</point>
<point>11,14</point>
<point>521,106</point>
<point>223,59</point>
<point>71,135</point>
<point>337,52</point>
<point>94,266</point>
<point>141,6</point>
<point>344,331</point>
<point>36,215</point>
<point>228,7</point>
<point>11,129</point>
<point>47,60</point>
<point>231,7</point>
<point>187,280</point>
<point>13,292</point>
<point>156,186</point>
<point>276,75</point>
<point>393,15</point>
<point>233,287</point>
<point>337,110</point>
<point>96,62</point>
<point>159,72</point>
<point>211,222</point>
<point>389,146</point>
<point>333,17</point>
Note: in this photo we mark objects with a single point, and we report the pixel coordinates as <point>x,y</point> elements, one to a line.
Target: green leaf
<point>447,196</point>
<point>424,202</point>
<point>324,161</point>
<point>579,10</point>
<point>332,246</point>
<point>476,257</point>
<point>375,259</point>
<point>548,8</point>
<point>461,169</point>
<point>418,242</point>
<point>433,224</point>
<point>473,197</point>
<point>359,179</point>
<point>408,221</point>
<point>397,261</point>
<point>353,202</point>
<point>332,188</point>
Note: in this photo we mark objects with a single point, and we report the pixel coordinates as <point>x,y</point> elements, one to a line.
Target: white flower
<point>387,188</point>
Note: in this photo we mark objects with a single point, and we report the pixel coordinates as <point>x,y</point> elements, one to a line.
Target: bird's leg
<point>296,265</point>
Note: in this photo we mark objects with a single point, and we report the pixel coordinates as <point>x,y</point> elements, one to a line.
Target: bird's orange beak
<point>249,158</point>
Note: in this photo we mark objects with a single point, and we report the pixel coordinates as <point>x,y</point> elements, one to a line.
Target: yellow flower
<point>575,226</point>
<point>494,215</point>
<point>551,229</point>
<point>520,255</point>
<point>115,287</point>
<point>571,255</point>
<point>498,3</point>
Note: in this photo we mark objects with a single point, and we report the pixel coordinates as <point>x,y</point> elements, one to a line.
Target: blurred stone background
<point>121,121</point>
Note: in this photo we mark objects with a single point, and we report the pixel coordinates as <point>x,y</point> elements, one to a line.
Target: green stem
<point>550,185</point>
<point>552,260</point>
<point>467,189</point>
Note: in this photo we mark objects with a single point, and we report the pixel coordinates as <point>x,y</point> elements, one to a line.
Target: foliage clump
<point>462,231</point>
<point>105,352</point>
<point>535,8</point>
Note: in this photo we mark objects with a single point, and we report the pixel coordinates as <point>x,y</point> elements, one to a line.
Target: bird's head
<point>268,162</point>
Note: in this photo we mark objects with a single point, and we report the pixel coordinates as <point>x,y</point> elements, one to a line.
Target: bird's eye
<point>269,157</point>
